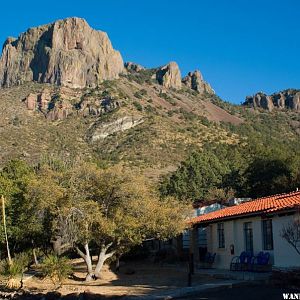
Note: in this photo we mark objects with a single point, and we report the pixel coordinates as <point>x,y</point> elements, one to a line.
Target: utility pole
<point>5,231</point>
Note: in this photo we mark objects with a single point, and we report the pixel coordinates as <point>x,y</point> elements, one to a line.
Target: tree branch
<point>108,246</point>
<point>108,255</point>
<point>80,252</point>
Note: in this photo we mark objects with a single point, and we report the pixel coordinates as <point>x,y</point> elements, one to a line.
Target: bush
<point>138,106</point>
<point>140,94</point>
<point>56,268</point>
<point>14,271</point>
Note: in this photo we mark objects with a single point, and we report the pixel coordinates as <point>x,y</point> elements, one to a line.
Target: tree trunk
<point>117,263</point>
<point>5,231</point>
<point>56,244</point>
<point>88,261</point>
<point>103,256</point>
<point>36,262</point>
<point>92,275</point>
<point>89,264</point>
<point>100,263</point>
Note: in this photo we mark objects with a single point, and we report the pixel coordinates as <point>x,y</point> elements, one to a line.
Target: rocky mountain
<point>287,99</point>
<point>67,52</point>
<point>66,93</point>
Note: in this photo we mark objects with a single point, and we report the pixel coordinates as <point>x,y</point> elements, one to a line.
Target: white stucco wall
<point>283,254</point>
<point>234,235</point>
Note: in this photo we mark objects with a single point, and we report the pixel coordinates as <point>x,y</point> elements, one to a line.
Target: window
<point>202,239</point>
<point>248,237</point>
<point>186,239</point>
<point>221,235</point>
<point>267,234</point>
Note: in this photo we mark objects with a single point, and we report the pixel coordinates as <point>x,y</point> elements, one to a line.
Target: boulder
<point>169,76</point>
<point>67,53</point>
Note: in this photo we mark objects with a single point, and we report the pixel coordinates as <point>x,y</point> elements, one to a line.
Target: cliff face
<point>287,99</point>
<point>67,53</point>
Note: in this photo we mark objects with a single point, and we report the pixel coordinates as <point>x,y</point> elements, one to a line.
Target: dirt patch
<point>133,279</point>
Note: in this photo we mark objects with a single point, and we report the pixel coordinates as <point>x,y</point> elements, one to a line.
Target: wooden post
<point>194,249</point>
<point>190,269</point>
<point>5,231</point>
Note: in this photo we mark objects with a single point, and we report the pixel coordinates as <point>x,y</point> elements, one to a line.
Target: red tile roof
<point>261,205</point>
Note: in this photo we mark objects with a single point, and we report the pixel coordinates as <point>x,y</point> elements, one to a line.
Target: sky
<point>240,46</point>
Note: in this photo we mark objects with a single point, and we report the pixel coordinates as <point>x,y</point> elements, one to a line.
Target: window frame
<point>267,234</point>
<point>248,236</point>
<point>221,235</point>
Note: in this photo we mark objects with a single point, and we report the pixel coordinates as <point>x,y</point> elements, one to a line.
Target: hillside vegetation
<point>173,124</point>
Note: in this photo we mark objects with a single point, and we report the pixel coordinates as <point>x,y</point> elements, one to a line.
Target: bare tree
<point>291,233</point>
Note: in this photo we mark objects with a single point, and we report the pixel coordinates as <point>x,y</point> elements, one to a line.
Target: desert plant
<point>13,270</point>
<point>138,106</point>
<point>56,268</point>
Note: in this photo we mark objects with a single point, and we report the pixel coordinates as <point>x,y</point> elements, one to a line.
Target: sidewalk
<point>236,275</point>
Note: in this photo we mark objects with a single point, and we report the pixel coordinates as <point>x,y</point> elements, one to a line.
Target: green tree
<point>109,210</point>
<point>266,176</point>
<point>23,225</point>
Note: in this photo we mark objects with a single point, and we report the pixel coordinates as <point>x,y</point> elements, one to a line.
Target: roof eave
<point>242,216</point>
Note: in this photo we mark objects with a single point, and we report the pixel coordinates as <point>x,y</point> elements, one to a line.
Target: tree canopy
<point>221,171</point>
<point>86,209</point>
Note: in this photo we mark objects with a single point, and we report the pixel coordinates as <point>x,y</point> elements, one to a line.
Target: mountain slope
<point>149,119</point>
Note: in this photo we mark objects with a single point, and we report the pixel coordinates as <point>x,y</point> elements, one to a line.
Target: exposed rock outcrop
<point>60,111</point>
<point>287,99</point>
<point>103,130</point>
<point>169,76</point>
<point>194,81</point>
<point>99,107</point>
<point>31,101</point>
<point>53,106</point>
<point>57,105</point>
<point>38,101</point>
<point>133,67</point>
<point>67,52</point>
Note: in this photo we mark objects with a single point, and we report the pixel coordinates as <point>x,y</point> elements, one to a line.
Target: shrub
<point>56,268</point>
<point>140,94</point>
<point>138,106</point>
<point>150,109</point>
<point>14,271</point>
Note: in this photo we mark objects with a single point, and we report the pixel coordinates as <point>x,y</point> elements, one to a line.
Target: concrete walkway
<point>235,275</point>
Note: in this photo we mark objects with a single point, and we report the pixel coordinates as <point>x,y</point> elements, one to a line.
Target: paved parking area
<point>245,293</point>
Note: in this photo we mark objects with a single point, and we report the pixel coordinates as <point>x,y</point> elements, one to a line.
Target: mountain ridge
<point>285,99</point>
